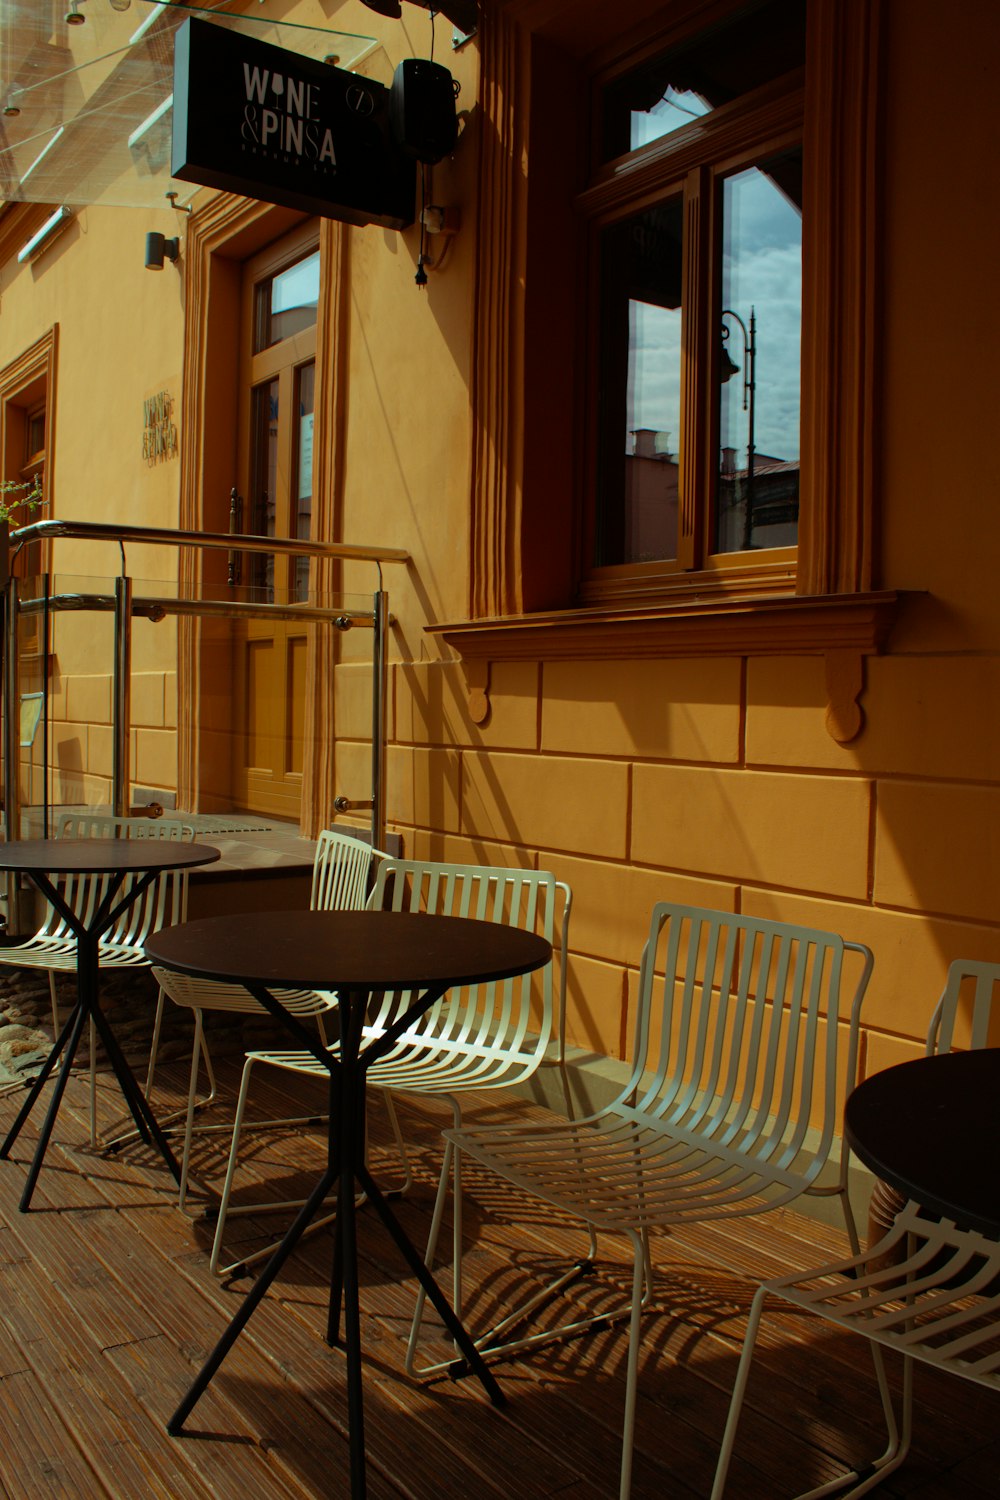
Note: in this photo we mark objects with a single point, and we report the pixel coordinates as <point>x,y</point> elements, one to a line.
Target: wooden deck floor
<point>107,1308</point>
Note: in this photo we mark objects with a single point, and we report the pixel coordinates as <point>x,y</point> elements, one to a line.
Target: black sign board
<point>254,119</point>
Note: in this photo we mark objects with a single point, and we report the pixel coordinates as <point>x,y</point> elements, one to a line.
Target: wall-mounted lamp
<point>74,16</point>
<point>43,237</point>
<point>159,249</point>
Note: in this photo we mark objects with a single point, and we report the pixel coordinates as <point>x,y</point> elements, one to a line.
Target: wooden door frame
<point>222,234</point>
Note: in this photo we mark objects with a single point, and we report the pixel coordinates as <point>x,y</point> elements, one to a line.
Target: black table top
<point>350,950</point>
<point>102,856</point>
<point>929,1128</point>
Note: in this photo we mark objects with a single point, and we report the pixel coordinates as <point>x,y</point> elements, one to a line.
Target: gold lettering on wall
<point>159,430</point>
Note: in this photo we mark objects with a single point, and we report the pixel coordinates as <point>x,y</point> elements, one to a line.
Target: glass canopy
<point>86,93</point>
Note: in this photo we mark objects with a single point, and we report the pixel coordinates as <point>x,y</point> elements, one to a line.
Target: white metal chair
<point>926,1289</point>
<point>731,1108</point>
<point>340,878</point>
<point>478,1038</point>
<point>53,946</point>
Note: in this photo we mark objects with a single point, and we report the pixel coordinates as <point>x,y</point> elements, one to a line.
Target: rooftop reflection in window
<point>762,42</point>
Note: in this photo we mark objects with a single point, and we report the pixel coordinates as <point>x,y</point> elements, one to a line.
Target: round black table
<point>43,861</point>
<point>355,954</point>
<point>928,1128</point>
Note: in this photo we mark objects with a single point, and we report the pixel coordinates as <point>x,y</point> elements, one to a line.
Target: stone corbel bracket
<point>845,682</point>
<point>477,682</point>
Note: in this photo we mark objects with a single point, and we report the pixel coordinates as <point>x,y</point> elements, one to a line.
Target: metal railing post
<point>122,699</point>
<point>11,744</point>
<point>380,676</point>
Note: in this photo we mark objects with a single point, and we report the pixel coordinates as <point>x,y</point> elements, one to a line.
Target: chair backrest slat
<point>971,983</point>
<point>164,901</point>
<point>341,866</point>
<point>489,1016</point>
<point>740,1033</point>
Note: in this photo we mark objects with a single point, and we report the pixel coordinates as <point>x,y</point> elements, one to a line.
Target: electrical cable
<point>421,276</point>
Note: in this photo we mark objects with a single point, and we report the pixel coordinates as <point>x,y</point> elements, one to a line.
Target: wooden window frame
<point>762,124</point>
<point>525,531</point>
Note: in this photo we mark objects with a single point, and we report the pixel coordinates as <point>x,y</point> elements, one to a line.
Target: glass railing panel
<point>251,732</point>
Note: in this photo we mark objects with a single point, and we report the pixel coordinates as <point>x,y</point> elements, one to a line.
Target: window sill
<point>843,628</point>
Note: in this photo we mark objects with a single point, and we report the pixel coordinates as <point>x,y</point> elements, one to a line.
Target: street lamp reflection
<point>727,369</point>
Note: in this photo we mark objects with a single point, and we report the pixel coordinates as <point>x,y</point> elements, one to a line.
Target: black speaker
<point>422,113</point>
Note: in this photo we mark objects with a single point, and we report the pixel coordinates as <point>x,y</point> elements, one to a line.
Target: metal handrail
<point>156,607</point>
<point>125,605</point>
<point>231,541</point>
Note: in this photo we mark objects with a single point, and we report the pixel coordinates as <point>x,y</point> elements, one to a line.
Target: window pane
<point>264,479</point>
<point>757,494</point>
<point>639,384</point>
<point>287,302</point>
<point>302,523</point>
<point>762,43</point>
<point>34,435</point>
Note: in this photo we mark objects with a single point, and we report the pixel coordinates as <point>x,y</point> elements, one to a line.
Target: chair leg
<point>225,1211</point>
<point>862,1479</point>
<point>495,1343</point>
<point>154,1046</point>
<point>220,1223</point>
<point>739,1391</point>
<point>441,1198</point>
<point>571,1115</point>
<point>451,1170</point>
<point>93,1084</point>
<point>200,1044</point>
<point>390,1109</point>
<point>639,1297</point>
<point>54,1002</point>
<point>457,1236</point>
<point>196,1051</point>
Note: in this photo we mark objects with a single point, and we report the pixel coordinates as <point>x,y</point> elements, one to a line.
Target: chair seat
<point>57,953</point>
<point>934,1304</point>
<point>626,1172</point>
<point>422,1062</point>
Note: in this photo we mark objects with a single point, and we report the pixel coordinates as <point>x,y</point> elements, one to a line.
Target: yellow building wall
<point>715,780</point>
<point>120,342</point>
<point>707,780</point>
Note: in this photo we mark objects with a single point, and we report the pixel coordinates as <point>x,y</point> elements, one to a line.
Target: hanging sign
<point>258,120</point>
